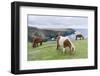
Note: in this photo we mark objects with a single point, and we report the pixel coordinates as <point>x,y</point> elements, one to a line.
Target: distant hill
<point>47,34</point>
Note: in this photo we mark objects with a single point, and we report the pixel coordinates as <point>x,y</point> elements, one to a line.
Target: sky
<point>44,21</point>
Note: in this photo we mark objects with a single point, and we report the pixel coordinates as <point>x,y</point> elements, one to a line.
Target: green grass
<point>48,51</point>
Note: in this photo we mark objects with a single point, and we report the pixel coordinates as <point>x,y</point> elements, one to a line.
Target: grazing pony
<point>37,40</point>
<point>64,42</point>
<point>79,35</point>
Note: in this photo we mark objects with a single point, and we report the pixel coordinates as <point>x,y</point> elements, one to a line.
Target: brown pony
<point>37,40</point>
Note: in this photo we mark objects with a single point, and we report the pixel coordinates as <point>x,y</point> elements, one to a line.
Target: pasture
<point>48,51</point>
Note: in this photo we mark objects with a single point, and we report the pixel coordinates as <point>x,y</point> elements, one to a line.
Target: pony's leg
<point>83,38</point>
<point>63,50</point>
<point>57,47</point>
<point>33,45</point>
<point>40,43</point>
<point>76,37</point>
<point>37,44</point>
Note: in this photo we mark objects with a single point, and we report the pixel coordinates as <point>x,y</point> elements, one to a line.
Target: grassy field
<point>48,51</point>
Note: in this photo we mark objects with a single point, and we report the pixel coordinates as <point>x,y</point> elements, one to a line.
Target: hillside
<point>47,34</point>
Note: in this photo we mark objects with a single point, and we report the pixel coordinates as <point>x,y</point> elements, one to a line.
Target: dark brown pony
<point>79,36</point>
<point>36,41</point>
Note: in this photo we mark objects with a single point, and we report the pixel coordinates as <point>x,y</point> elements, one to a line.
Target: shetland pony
<point>79,36</point>
<point>36,41</point>
<point>64,43</point>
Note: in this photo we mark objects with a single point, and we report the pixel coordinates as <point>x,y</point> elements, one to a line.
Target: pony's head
<point>33,45</point>
<point>73,49</point>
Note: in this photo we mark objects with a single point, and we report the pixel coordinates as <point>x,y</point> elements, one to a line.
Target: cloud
<point>57,21</point>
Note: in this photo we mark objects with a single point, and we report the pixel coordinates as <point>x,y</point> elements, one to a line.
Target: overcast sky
<point>57,21</point>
